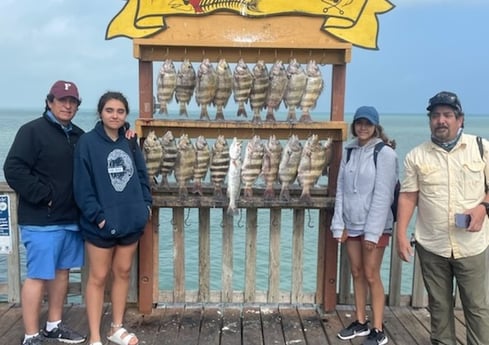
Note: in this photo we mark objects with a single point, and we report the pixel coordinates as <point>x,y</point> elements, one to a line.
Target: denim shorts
<point>48,251</point>
<point>100,242</point>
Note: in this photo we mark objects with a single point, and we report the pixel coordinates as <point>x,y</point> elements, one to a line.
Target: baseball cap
<point>445,98</point>
<point>367,112</point>
<point>63,88</point>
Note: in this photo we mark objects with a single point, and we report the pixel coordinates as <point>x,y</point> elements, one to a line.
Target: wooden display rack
<point>232,36</point>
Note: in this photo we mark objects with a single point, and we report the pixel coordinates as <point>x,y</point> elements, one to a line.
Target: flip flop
<point>117,338</point>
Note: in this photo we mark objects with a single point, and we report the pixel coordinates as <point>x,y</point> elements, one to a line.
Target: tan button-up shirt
<point>447,183</point>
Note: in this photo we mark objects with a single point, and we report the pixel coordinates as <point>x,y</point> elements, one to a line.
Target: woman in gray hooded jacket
<point>363,218</point>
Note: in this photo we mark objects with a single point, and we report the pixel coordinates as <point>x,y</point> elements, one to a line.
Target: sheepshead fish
<point>166,84</point>
<point>295,88</point>
<point>205,88</point>
<point>312,91</point>
<point>269,169</point>
<point>224,87</point>
<point>185,86</point>
<point>184,164</point>
<point>311,166</point>
<point>202,160</point>
<point>234,174</point>
<point>276,89</point>
<point>219,164</point>
<point>252,163</point>
<point>259,89</point>
<point>242,80</point>
<point>168,158</point>
<point>328,149</point>
<point>287,170</point>
<point>152,153</point>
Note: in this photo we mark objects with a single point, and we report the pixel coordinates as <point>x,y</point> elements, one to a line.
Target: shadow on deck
<point>241,324</point>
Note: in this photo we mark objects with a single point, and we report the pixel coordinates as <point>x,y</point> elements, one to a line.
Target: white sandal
<point>117,337</point>
<point>96,343</point>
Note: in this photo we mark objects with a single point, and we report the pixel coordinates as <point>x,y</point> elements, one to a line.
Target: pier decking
<point>206,324</point>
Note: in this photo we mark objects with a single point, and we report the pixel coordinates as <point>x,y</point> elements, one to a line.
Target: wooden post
<point>146,264</point>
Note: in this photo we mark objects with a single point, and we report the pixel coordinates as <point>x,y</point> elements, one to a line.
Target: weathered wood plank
<point>170,325</point>
<point>146,327</point>
<point>179,255</point>
<point>211,326</point>
<point>271,325</point>
<point>416,322</point>
<point>292,326</point>
<point>250,254</point>
<point>274,256</point>
<point>297,256</point>
<point>312,326</point>
<point>204,254</point>
<point>190,325</point>
<point>231,326</point>
<point>252,330</point>
<point>332,325</point>
<point>227,257</point>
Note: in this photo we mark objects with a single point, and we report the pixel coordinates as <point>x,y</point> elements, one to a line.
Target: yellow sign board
<point>354,21</point>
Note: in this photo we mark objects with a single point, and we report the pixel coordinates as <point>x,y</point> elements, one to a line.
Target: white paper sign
<point>5,226</point>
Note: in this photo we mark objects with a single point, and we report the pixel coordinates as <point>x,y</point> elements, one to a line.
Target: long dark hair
<point>379,133</point>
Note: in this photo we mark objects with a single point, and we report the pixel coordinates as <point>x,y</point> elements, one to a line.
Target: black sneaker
<point>37,340</point>
<point>64,334</point>
<point>356,329</point>
<point>376,337</point>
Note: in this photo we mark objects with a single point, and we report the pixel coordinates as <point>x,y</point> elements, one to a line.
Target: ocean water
<point>407,129</point>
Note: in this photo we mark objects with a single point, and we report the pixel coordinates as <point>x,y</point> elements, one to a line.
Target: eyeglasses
<point>447,98</point>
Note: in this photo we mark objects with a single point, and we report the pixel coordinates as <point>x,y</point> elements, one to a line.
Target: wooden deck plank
<point>231,326</point>
<point>312,326</point>
<point>11,325</point>
<point>170,324</point>
<point>211,326</point>
<point>190,325</point>
<point>271,325</point>
<point>252,333</point>
<point>146,327</point>
<point>417,326</point>
<point>292,326</point>
<point>332,325</point>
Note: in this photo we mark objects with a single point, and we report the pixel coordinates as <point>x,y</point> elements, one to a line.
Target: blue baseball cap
<point>367,112</point>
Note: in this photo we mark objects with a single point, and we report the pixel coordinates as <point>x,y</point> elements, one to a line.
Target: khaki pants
<point>472,278</point>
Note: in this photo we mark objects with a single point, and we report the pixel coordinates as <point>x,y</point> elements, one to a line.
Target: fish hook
<point>274,222</point>
<point>310,222</point>
<point>186,222</point>
<point>240,218</point>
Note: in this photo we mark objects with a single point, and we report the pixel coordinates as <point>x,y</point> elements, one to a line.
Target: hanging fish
<point>205,89</point>
<point>312,91</point>
<point>271,161</point>
<point>242,80</point>
<point>184,164</point>
<point>295,88</point>
<point>219,164</point>
<point>287,171</point>
<point>152,153</point>
<point>185,86</point>
<point>259,89</point>
<point>311,166</point>
<point>202,160</point>
<point>166,84</point>
<point>234,174</point>
<point>224,87</point>
<point>252,162</point>
<point>168,157</point>
<point>276,89</point>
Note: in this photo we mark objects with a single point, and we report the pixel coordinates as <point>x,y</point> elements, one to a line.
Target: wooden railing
<point>10,285</point>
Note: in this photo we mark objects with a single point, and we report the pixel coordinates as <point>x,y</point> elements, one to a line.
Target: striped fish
<point>311,166</point>
<point>224,87</point>
<point>271,161</point>
<point>184,89</point>
<point>252,163</point>
<point>234,172</point>
<point>219,164</point>
<point>168,158</point>
<point>242,80</point>
<point>276,89</point>
<point>312,91</point>
<point>202,160</point>
<point>184,164</point>
<point>295,88</point>
<point>152,153</point>
<point>205,89</point>
<point>166,84</point>
<point>259,89</point>
<point>287,170</point>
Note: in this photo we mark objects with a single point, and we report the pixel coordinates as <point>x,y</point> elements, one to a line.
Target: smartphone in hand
<point>462,220</point>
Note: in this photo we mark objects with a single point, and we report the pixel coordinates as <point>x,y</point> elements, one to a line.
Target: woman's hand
<point>101,224</point>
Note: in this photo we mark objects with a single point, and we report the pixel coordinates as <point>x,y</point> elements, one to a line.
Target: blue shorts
<point>48,251</point>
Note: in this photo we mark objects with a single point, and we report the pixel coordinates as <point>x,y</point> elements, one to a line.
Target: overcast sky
<point>424,46</point>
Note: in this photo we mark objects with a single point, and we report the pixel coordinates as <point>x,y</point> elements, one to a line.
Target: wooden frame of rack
<point>233,37</point>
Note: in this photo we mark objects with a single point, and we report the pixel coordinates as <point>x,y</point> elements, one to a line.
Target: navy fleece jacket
<point>110,183</point>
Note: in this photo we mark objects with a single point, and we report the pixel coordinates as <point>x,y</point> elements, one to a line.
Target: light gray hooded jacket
<point>365,192</point>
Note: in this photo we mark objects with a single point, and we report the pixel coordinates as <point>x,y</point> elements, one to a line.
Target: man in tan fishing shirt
<point>445,178</point>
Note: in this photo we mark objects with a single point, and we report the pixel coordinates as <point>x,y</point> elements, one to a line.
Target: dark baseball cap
<point>367,112</point>
<point>62,88</point>
<point>445,98</point>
